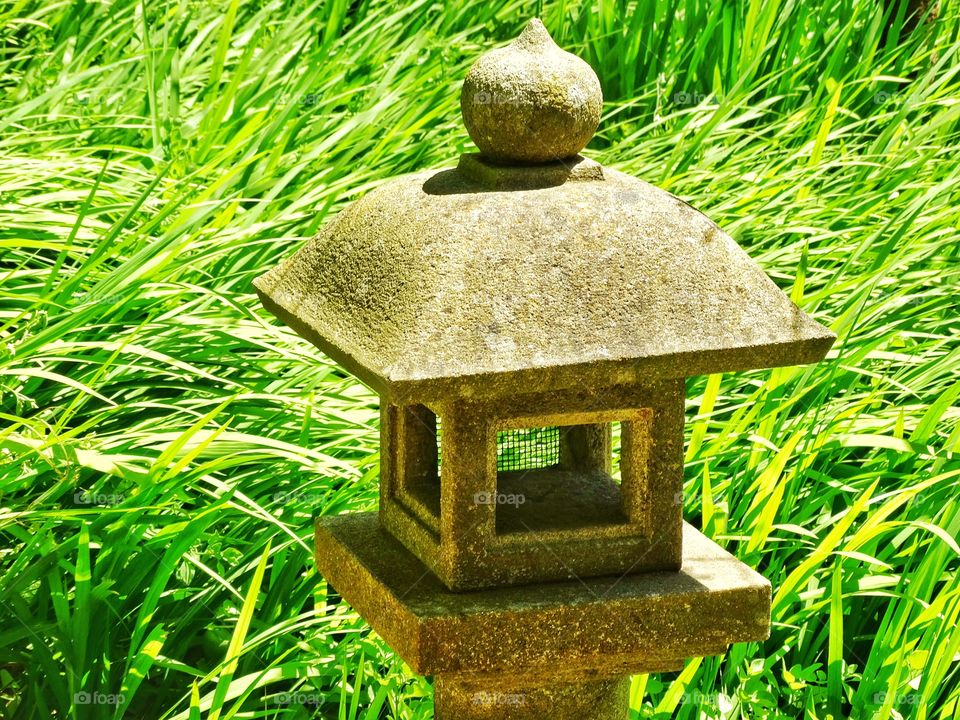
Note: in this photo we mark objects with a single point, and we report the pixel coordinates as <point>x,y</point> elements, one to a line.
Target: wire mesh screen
<point>528,448</point>
<point>523,449</point>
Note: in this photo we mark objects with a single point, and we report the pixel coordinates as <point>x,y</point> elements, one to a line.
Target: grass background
<point>164,442</point>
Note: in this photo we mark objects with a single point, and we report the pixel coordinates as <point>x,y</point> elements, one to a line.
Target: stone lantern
<point>522,316</point>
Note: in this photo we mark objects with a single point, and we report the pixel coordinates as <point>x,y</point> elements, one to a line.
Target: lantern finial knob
<point>531,102</point>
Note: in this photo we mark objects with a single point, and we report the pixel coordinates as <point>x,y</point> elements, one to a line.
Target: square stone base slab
<point>602,627</point>
<point>495,697</point>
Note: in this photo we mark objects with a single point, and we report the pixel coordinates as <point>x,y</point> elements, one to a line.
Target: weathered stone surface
<point>531,102</point>
<point>502,295</point>
<point>569,520</point>
<point>492,176</point>
<point>435,286</point>
<point>599,627</point>
<point>494,697</point>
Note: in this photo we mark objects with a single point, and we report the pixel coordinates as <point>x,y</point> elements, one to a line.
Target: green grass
<point>165,441</point>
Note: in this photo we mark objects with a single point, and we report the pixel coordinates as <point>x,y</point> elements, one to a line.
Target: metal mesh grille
<point>523,449</point>
<point>528,448</point>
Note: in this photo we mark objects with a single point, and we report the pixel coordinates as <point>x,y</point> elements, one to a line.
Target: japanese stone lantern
<point>511,312</point>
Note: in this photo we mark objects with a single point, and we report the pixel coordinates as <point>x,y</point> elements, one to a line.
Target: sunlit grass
<point>165,441</point>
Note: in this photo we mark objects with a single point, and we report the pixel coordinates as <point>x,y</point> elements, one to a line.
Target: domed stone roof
<point>487,279</point>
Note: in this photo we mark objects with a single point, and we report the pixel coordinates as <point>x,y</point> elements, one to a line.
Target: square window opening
<point>418,458</point>
<point>561,477</point>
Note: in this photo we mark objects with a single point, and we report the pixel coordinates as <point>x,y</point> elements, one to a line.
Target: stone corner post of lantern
<point>528,318</point>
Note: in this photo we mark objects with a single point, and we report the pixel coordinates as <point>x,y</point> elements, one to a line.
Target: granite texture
<point>531,287</point>
<point>492,176</point>
<point>576,630</point>
<point>565,521</point>
<point>530,102</point>
<point>434,286</point>
<point>499,696</point>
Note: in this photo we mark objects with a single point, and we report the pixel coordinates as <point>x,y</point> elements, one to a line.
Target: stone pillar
<point>509,697</point>
<point>585,447</point>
